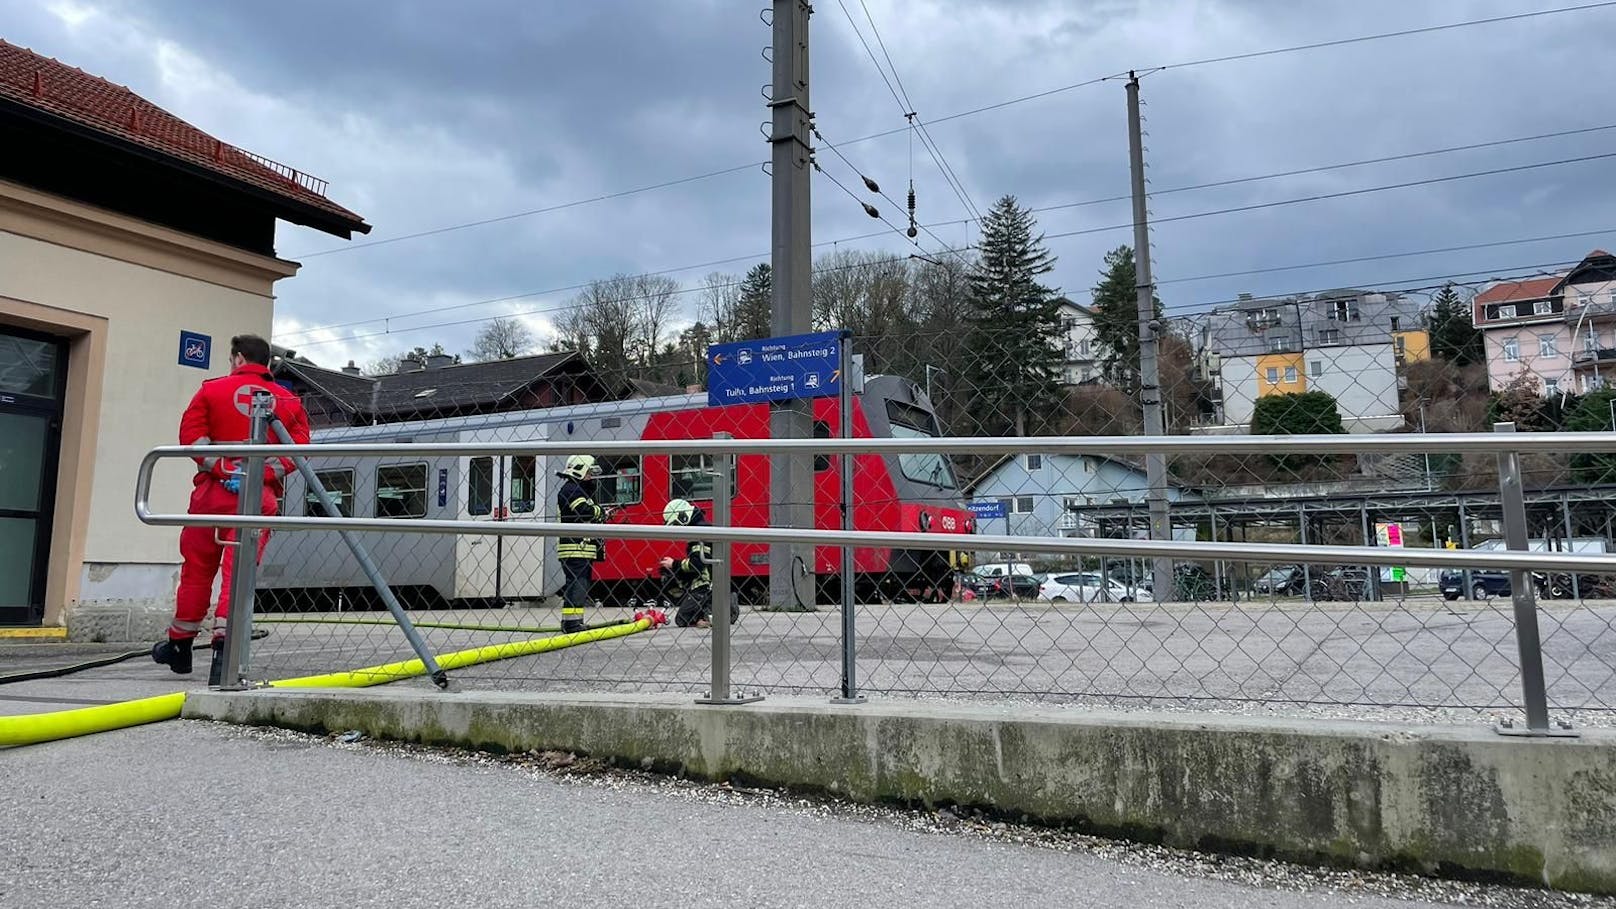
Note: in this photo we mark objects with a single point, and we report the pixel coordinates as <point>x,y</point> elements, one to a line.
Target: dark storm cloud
<point>427,114</point>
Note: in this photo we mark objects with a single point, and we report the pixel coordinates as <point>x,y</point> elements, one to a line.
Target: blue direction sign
<point>992,508</point>
<point>775,369</point>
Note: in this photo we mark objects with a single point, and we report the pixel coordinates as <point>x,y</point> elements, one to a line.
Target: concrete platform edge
<point>1446,800</point>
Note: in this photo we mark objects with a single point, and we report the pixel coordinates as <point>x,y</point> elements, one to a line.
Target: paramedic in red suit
<point>219,414</point>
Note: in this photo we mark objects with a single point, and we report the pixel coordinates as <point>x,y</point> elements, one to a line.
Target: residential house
<point>1046,494</point>
<point>133,245</point>
<point>438,387</point>
<point>1349,344</point>
<point>1080,343</point>
<point>1524,332</point>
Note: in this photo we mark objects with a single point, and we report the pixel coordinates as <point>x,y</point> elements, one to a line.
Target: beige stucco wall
<point>140,285</point>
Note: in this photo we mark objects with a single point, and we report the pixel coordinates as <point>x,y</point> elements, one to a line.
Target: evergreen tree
<point>1014,359</point>
<point>1116,318</point>
<point>1454,336</point>
<point>754,306</point>
<point>1593,414</point>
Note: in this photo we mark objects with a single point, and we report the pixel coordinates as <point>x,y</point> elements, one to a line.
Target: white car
<point>1086,587</point>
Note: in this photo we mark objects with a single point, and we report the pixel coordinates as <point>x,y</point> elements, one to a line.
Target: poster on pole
<point>1391,535</point>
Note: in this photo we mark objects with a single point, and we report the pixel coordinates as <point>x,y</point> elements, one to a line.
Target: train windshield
<point>911,422</point>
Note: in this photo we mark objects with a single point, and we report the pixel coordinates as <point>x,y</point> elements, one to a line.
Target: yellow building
<point>1411,346</point>
<point>132,247</point>
<point>1281,373</point>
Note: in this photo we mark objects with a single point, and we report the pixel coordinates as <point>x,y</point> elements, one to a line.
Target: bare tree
<point>501,339</point>
<point>621,323</point>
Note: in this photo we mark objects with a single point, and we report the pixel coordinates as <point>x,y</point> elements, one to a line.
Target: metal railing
<point>1507,446</point>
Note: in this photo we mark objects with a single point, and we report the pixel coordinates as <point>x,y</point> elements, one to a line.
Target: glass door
<point>33,374</point>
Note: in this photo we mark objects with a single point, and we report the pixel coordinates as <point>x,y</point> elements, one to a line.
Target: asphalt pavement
<point>187,813</point>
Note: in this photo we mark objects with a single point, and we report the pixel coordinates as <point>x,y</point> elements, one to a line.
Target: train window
<point>401,491</point>
<point>821,431</point>
<point>619,481</point>
<point>338,485</point>
<point>480,486</point>
<point>524,484</point>
<point>911,422</point>
<point>691,477</point>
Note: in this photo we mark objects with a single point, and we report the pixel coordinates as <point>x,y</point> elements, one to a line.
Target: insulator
<point>870,184</point>
<point>871,210</point>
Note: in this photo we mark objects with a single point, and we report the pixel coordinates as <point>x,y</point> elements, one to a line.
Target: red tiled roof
<point>1530,289</point>
<point>49,85</point>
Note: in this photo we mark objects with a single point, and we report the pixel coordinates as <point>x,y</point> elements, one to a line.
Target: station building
<point>133,245</point>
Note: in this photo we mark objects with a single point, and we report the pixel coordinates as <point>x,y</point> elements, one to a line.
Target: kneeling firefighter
<point>693,573</point>
<point>575,502</point>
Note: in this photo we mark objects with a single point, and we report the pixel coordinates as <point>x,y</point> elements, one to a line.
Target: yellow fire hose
<point>35,728</point>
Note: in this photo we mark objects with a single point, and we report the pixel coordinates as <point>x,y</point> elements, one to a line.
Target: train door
<point>502,488</point>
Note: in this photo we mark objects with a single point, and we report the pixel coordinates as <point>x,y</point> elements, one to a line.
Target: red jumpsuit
<point>218,414</point>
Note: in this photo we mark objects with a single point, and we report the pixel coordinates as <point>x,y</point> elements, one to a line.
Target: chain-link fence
<point>1062,607</point>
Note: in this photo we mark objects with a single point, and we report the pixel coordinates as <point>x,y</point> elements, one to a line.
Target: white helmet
<point>581,467</point>
<point>678,511</point>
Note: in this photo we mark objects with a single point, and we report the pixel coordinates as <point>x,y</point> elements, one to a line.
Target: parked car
<point>1346,582</point>
<point>999,581</point>
<point>1283,580</point>
<point>1083,587</point>
<point>1483,584</point>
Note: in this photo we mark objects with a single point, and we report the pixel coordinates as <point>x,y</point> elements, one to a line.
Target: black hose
<point>59,671</point>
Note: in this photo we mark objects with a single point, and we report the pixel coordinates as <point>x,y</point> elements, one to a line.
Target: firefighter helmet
<point>678,511</point>
<point>581,467</point>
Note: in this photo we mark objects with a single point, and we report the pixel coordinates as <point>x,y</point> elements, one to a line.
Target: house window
<point>1330,336</point>
<point>1401,344</point>
<point>1290,374</point>
<point>1591,342</point>
<point>1512,350</point>
<point>1083,347</point>
<point>1344,311</point>
<point>1493,312</point>
<point>1273,375</point>
<point>1278,345</point>
<point>1317,368</point>
<point>1543,307</point>
<point>338,484</point>
<point>1020,504</point>
<point>401,491</point>
<point>1395,321</point>
<point>480,486</point>
<point>619,480</point>
<point>691,477</point>
<point>1551,387</point>
<point>1584,299</point>
<point>1035,462</point>
<point>1547,348</point>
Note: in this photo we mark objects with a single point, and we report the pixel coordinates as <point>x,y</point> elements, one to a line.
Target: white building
<point>1080,343</point>
<point>1362,378</point>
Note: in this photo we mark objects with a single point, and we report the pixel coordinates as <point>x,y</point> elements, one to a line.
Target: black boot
<point>176,654</point>
<point>572,626</point>
<point>216,668</point>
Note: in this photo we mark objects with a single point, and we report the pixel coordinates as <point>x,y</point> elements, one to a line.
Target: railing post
<point>849,694</point>
<point>723,595</point>
<point>244,575</point>
<point>1512,497</point>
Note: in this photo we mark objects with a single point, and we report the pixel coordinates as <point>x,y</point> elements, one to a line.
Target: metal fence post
<point>244,575</point>
<point>723,594</point>
<point>1512,497</point>
<point>366,564</point>
<point>849,693</point>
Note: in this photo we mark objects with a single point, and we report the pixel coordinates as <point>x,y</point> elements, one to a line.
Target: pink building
<point>1559,329</point>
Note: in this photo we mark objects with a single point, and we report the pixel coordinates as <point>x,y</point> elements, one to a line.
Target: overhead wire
<point>908,111</point>
<point>962,114</point>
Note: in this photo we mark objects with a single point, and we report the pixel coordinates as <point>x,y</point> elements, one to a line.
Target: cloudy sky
<point>424,115</point>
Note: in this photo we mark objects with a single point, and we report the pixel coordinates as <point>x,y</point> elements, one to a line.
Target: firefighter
<point>575,501</point>
<point>694,572</point>
<point>219,414</point>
